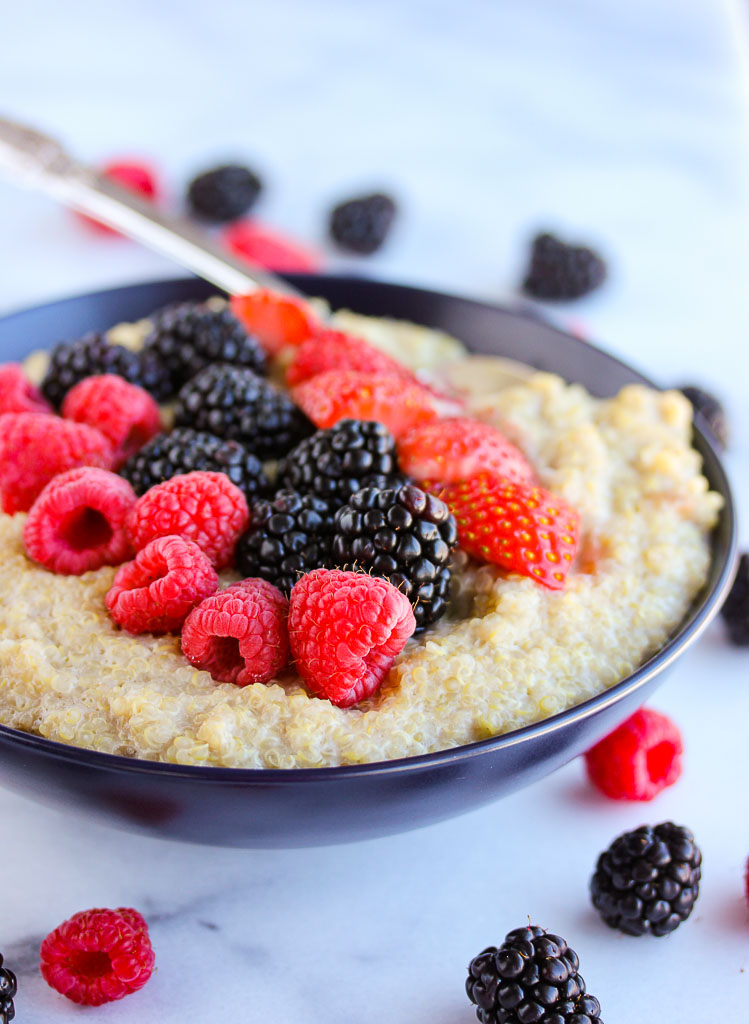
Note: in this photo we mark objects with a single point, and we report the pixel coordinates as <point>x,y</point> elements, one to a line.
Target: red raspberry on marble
<point>78,521</point>
<point>204,507</point>
<point>97,956</point>
<point>134,176</point>
<point>337,350</point>
<point>349,395</point>
<point>637,760</point>
<point>18,394</point>
<point>35,447</point>
<point>345,630</point>
<point>262,247</point>
<point>240,634</point>
<point>157,591</point>
<point>457,449</point>
<point>123,412</point>
<point>276,320</point>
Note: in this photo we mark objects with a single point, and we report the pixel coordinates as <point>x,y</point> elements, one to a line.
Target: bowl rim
<point>697,619</point>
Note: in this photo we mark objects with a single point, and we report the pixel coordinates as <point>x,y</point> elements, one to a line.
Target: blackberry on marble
<point>561,271</point>
<point>735,611</point>
<point>224,193</point>
<point>712,412</point>
<point>8,989</point>
<point>362,224</point>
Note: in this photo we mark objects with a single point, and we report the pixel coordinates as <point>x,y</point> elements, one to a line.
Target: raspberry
<point>124,413</point>
<point>97,956</point>
<point>346,629</point>
<point>346,394</point>
<point>17,393</point>
<point>35,447</point>
<point>637,760</point>
<point>206,508</point>
<point>520,527</point>
<point>458,449</point>
<point>78,521</point>
<point>276,320</point>
<point>132,175</point>
<point>239,635</point>
<point>265,248</point>
<point>336,350</point>
<point>156,592</point>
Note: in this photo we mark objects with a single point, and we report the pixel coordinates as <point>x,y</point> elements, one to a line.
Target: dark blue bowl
<point>299,807</point>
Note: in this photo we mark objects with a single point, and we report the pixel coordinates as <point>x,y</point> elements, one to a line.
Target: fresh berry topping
<point>362,224</point>
<point>125,414</point>
<point>637,760</point>
<point>335,463</point>
<point>239,635</point>
<point>232,402</point>
<point>8,989</point>
<point>735,611</point>
<point>711,413</point>
<point>288,537</point>
<point>520,527</point>
<point>132,175</point>
<point>78,521</point>
<point>346,629</point>
<point>206,508</point>
<point>17,393</point>
<point>648,880</point>
<point>223,193</point>
<point>262,247</point>
<point>561,271</point>
<point>34,447</point>
<point>97,956</point>
<point>404,535</point>
<point>276,320</point>
<point>532,978</point>
<point>345,394</point>
<point>336,350</point>
<point>190,336</point>
<point>457,449</point>
<point>185,450</point>
<point>157,591</point>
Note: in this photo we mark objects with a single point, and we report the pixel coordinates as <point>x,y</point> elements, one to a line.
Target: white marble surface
<point>625,124</point>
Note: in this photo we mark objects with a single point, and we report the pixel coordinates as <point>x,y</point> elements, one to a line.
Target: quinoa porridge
<point>509,652</point>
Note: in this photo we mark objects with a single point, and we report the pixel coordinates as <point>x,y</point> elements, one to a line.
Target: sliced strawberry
<point>337,350</point>
<point>346,394</point>
<point>523,528</point>
<point>276,320</point>
<point>451,450</point>
<point>265,248</point>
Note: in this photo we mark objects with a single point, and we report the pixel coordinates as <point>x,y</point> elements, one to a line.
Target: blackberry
<point>289,536</point>
<point>561,271</point>
<point>337,462</point>
<point>8,988</point>
<point>72,361</point>
<point>224,193</point>
<point>186,450</point>
<point>735,611</point>
<point>233,402</point>
<point>711,411</point>
<point>531,979</point>
<point>404,535</point>
<point>189,336</point>
<point>361,225</point>
<point>648,880</point>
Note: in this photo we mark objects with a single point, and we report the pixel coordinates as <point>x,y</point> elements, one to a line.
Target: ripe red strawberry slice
<point>265,248</point>
<point>276,320</point>
<point>457,449</point>
<point>523,528</point>
<point>337,350</point>
<point>347,394</point>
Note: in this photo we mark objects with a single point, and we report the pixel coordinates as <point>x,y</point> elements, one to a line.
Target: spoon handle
<point>38,161</point>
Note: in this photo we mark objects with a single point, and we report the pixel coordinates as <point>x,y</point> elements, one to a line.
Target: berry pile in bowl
<point>259,535</point>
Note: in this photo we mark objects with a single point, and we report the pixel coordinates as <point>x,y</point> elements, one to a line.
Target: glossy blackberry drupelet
<point>223,193</point>
<point>190,336</point>
<point>531,979</point>
<point>8,989</point>
<point>72,361</point>
<point>404,535</point>
<point>233,402</point>
<point>288,536</point>
<point>648,880</point>
<point>561,271</point>
<point>711,411</point>
<point>337,462</point>
<point>186,450</point>
<point>735,611</point>
<point>361,225</point>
